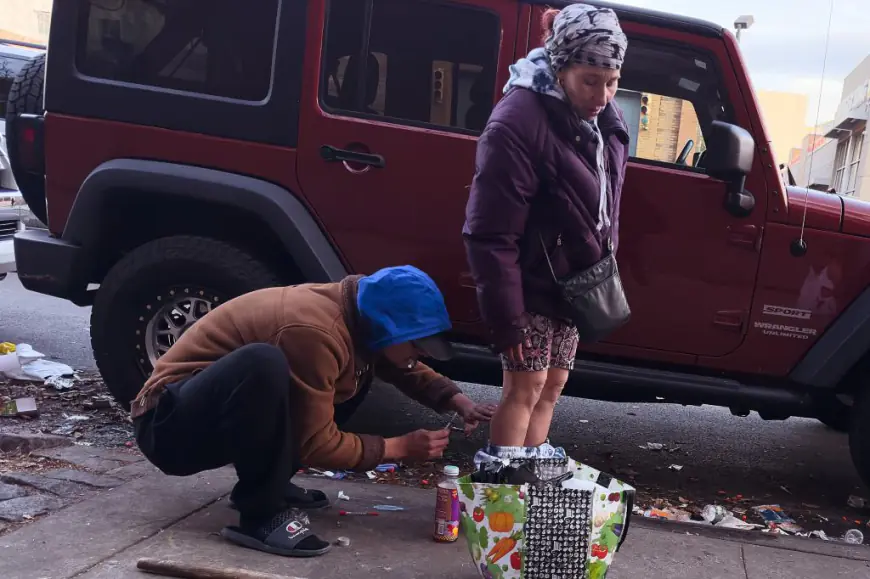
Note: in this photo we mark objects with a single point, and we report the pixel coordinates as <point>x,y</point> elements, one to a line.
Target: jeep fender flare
<point>276,206</point>
<point>842,346</point>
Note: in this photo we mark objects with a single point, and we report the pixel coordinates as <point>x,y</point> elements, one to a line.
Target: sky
<point>785,48</point>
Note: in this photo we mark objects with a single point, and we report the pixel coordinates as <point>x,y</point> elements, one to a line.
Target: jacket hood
<point>400,304</point>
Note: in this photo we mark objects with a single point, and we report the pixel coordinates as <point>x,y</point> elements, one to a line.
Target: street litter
<point>814,535</point>
<point>372,475</point>
<point>76,417</point>
<point>652,446</point>
<point>28,365</point>
<point>388,508</point>
<point>328,473</point>
<point>343,542</point>
<point>857,502</point>
<point>676,467</point>
<point>358,514</point>
<point>390,467</point>
<point>714,513</point>
<point>20,407</point>
<point>774,516</point>
<point>854,537</point>
<point>342,496</point>
<point>60,383</point>
<point>7,347</point>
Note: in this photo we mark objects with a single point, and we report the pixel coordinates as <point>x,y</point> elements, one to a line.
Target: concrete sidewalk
<point>171,518</point>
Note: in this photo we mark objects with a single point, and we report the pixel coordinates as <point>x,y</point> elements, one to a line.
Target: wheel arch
<point>841,351</point>
<point>126,202</point>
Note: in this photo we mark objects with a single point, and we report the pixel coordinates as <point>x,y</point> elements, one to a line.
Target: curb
<point>785,543</point>
<point>29,442</point>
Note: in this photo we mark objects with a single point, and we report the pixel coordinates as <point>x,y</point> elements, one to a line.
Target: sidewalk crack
<point>145,538</point>
<point>743,558</point>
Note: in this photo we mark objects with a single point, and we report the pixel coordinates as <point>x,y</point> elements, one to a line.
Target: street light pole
<point>743,23</point>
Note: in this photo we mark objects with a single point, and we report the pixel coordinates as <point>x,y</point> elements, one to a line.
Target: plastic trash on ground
<point>27,364</point>
<point>774,516</point>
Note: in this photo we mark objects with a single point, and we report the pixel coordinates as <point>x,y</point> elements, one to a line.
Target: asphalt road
<point>793,463</point>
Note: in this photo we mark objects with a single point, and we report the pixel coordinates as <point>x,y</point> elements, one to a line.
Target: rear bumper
<point>50,266</point>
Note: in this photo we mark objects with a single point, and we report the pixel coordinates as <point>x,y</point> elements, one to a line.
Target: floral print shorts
<point>546,344</point>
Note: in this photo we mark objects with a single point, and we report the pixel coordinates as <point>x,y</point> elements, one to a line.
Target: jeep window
<point>200,46</point>
<point>443,74</point>
<point>670,96</point>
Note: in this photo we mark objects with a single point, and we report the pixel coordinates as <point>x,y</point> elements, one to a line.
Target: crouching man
<point>265,381</point>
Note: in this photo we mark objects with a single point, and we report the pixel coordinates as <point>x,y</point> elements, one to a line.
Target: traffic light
<point>644,112</point>
<point>438,85</point>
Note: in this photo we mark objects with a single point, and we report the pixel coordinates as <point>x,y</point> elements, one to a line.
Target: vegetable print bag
<point>567,526</point>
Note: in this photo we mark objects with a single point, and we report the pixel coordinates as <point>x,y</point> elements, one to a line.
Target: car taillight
<point>29,142</point>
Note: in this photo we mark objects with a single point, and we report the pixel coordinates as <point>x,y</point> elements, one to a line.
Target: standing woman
<point>544,206</point>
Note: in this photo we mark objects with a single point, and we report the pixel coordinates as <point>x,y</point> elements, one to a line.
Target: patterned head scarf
<point>584,34</point>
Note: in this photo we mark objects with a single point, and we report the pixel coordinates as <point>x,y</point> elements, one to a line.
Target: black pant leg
<point>236,411</point>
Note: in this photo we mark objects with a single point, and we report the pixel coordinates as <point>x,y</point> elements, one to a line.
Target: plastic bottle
<point>854,536</point>
<point>447,507</point>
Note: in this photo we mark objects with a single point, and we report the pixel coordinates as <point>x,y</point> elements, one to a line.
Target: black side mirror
<point>730,155</point>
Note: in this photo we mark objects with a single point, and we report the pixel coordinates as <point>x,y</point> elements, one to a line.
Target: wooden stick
<point>190,571</point>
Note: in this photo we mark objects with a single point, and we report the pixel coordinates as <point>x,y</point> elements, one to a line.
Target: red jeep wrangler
<point>186,155</point>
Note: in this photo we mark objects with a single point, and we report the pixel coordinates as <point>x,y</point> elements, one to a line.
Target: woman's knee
<point>524,388</point>
<point>552,390</point>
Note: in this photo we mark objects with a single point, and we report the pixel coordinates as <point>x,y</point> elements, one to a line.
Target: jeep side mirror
<point>730,155</point>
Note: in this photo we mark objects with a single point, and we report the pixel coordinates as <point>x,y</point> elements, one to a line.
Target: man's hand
<point>418,445</point>
<point>472,414</point>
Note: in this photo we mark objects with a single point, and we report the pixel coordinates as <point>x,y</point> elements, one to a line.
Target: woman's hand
<point>514,354</point>
<point>472,414</point>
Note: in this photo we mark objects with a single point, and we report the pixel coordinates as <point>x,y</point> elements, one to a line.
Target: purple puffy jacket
<point>535,175</point>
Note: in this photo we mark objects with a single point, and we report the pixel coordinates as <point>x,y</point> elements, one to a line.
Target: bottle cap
<point>451,470</point>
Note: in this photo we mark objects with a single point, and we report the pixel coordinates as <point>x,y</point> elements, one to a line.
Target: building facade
<point>25,20</point>
<point>785,118</point>
<point>851,167</point>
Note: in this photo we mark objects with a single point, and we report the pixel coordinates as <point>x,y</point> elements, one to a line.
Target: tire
<point>25,97</point>
<point>859,436</point>
<point>183,274</point>
<point>834,414</point>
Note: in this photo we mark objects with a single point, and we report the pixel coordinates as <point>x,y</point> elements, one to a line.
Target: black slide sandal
<point>280,536</point>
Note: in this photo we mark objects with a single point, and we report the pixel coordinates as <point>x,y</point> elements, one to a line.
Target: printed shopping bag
<point>568,526</point>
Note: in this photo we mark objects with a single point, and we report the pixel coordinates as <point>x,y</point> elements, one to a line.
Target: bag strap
<point>547,257</point>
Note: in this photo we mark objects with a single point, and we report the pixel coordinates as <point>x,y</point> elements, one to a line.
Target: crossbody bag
<point>596,299</point>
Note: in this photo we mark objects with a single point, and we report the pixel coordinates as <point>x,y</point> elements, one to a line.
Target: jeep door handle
<point>332,154</point>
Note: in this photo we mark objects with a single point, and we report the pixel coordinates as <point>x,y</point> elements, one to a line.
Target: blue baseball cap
<point>403,304</point>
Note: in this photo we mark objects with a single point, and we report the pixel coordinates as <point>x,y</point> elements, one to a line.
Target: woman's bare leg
<point>542,416</point>
<point>520,394</point>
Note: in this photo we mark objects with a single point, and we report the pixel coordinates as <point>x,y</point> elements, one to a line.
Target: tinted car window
<point>202,46</point>
<point>440,74</point>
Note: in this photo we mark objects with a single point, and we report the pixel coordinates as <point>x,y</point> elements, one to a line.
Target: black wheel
<point>154,294</point>
<point>834,414</point>
<point>859,436</point>
<point>25,97</point>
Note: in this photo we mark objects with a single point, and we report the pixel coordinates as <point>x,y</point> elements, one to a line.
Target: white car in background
<point>13,211</point>
<point>13,208</point>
